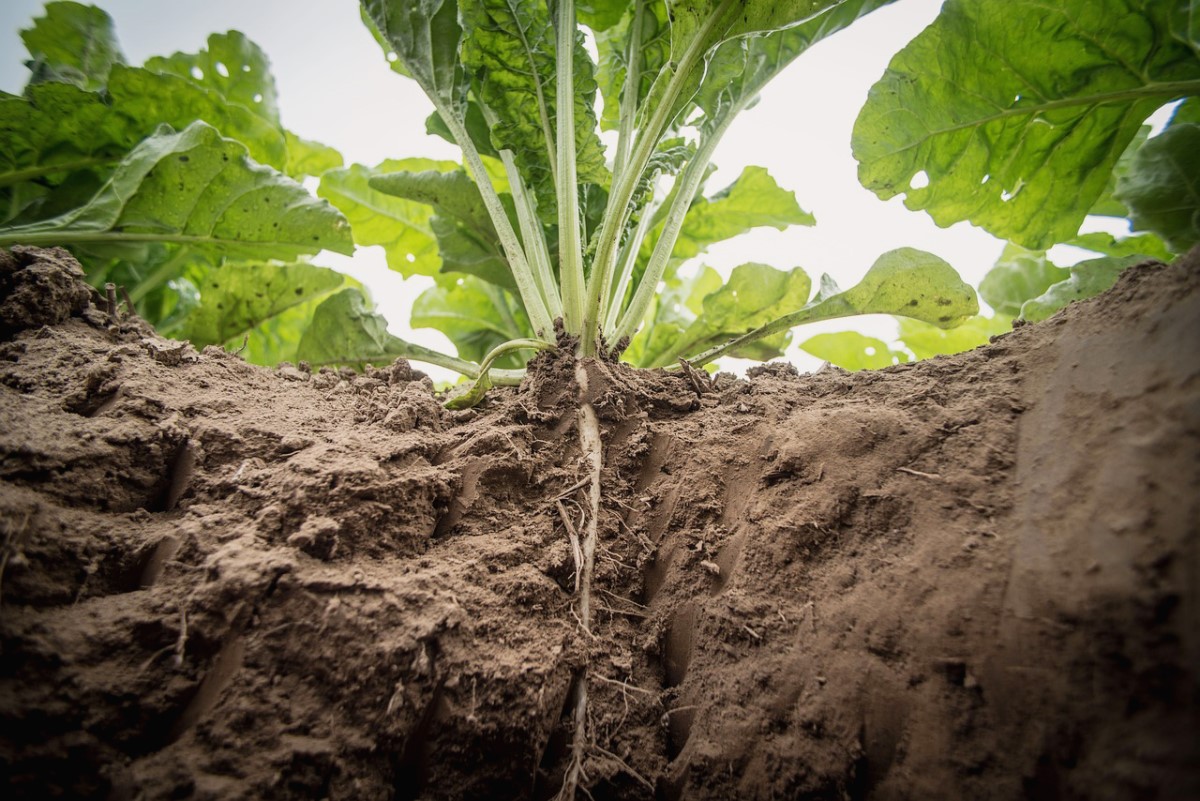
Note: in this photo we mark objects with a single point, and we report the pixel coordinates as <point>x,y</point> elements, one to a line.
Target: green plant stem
<point>629,257</point>
<point>570,255</point>
<point>629,95</point>
<point>532,233</point>
<point>539,316</point>
<point>621,198</point>
<point>689,184</point>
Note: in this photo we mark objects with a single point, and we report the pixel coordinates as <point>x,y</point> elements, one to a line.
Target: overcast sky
<point>334,86</point>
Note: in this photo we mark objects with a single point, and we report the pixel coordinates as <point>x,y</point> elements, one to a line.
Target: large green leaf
<point>424,36</point>
<point>1013,113</point>
<point>197,188</point>
<point>233,66</point>
<point>75,43</point>
<point>236,299</point>
<point>1088,279</point>
<point>926,341</point>
<point>853,351</point>
<point>509,48</point>
<point>1162,187</point>
<point>1147,246</point>
<point>467,240</point>
<point>698,26</point>
<point>346,330</point>
<point>475,315</point>
<point>150,98</point>
<point>905,282</point>
<point>1017,276</point>
<point>754,200</point>
<point>306,157</point>
<point>754,295</point>
<point>401,226</point>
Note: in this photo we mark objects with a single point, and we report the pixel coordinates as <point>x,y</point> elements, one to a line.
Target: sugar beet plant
<point>178,179</point>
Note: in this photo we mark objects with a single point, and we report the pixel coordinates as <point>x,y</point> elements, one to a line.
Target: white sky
<point>335,87</point>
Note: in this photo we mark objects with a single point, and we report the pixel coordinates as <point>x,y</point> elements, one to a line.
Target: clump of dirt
<point>971,577</point>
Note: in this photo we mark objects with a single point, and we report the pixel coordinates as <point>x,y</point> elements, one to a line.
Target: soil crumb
<point>970,577</point>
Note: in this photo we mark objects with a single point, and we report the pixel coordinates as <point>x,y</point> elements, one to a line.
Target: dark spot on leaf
<point>258,294</point>
<point>914,302</point>
<point>944,301</point>
<point>299,290</point>
<point>184,159</point>
<point>315,237</point>
<point>216,285</point>
<point>224,157</point>
<point>266,200</point>
<point>221,306</point>
<point>945,319</point>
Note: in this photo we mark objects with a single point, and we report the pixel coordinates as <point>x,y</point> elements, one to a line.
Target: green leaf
<point>196,188</point>
<point>238,298</point>
<point>754,295</point>
<point>1107,204</point>
<point>401,226</point>
<point>306,157</point>
<point>467,240</point>
<point>345,330</point>
<point>600,15</point>
<point>754,200</point>
<point>150,98</point>
<point>926,341</point>
<point>1187,111</point>
<point>1018,276</point>
<point>1162,187</point>
<point>904,282</point>
<point>233,66</point>
<point>56,131</point>
<point>1147,246</point>
<point>740,68</point>
<point>853,351</point>
<point>424,35</point>
<point>509,48</point>
<point>1088,279</point>
<point>475,315</point>
<point>76,42</point>
<point>477,128</point>
<point>1016,111</point>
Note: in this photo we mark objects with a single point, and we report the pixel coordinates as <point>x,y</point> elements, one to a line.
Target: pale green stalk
<point>629,256</point>
<point>689,184</point>
<point>539,316</point>
<point>621,198</point>
<point>629,96</point>
<point>532,233</point>
<point>570,255</point>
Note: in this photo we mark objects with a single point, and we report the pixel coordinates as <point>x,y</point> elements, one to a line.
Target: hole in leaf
<point>459,282</point>
<point>222,70</point>
<point>1006,196</point>
<point>410,258</point>
<point>986,178</point>
<point>919,181</point>
<point>870,350</point>
<point>258,98</point>
<point>197,73</point>
<point>392,57</point>
<point>245,68</point>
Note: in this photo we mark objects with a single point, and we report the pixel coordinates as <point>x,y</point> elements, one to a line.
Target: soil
<point>970,577</point>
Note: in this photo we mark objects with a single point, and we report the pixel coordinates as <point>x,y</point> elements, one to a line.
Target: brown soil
<point>972,577</point>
